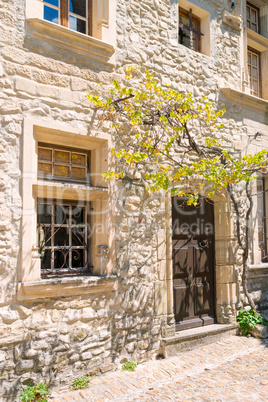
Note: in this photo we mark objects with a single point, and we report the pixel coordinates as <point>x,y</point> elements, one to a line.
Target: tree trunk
<point>244,245</point>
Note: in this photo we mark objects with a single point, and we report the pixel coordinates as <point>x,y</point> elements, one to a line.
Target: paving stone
<point>233,370</point>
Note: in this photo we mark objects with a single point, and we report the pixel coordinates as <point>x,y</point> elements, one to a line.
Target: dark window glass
<point>78,7</point>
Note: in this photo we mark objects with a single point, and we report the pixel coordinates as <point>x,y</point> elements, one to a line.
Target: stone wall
<point>56,339</point>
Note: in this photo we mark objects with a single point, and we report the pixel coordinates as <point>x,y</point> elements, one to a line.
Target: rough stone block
<point>24,365</point>
<point>22,84</point>
<point>260,331</point>
<point>86,356</point>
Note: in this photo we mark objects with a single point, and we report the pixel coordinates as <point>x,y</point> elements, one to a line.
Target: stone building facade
<point>57,327</point>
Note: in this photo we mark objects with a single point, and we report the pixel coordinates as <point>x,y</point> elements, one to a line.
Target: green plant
<point>81,382</point>
<point>35,393</point>
<point>129,366</point>
<point>248,319</point>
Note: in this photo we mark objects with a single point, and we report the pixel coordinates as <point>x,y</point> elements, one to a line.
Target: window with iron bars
<point>73,14</point>
<point>63,238</point>
<point>189,30</point>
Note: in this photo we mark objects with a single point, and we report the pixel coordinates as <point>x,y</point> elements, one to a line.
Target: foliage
<point>248,319</point>
<point>159,122</point>
<point>129,366</point>
<point>39,393</point>
<point>81,382</point>
<point>171,141</point>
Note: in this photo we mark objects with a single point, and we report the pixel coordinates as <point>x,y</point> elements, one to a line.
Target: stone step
<point>196,337</point>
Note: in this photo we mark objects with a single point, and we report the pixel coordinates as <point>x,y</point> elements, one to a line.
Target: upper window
<point>189,30</point>
<point>254,72</point>
<point>74,14</point>
<point>253,17</point>
<point>63,164</point>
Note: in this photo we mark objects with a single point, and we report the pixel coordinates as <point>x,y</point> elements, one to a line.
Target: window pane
<point>78,173</point>
<point>62,156</point>
<point>61,259</point>
<point>46,259</point>
<point>50,14</point>
<point>78,237</point>
<point>254,60</point>
<point>253,15</point>
<point>78,7</point>
<point>52,2</point>
<point>61,214</point>
<point>78,258</point>
<point>62,171</point>
<point>188,37</point>
<point>77,25</point>
<point>45,154</point>
<point>44,213</point>
<point>45,168</point>
<point>79,159</point>
<point>78,215</point>
<point>61,237</point>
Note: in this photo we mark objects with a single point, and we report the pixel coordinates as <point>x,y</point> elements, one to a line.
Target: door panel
<point>193,263</point>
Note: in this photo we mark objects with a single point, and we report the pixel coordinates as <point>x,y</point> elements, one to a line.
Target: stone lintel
<point>63,191</point>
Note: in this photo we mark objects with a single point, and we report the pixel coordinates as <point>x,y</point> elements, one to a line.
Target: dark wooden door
<point>193,263</point>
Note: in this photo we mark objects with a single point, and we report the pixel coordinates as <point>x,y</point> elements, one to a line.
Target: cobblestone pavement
<point>235,369</point>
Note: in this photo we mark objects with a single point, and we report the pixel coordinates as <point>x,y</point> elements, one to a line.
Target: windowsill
<point>257,41</point>
<point>70,191</point>
<point>195,52</point>
<point>262,265</point>
<point>245,99</point>
<point>258,271</point>
<point>64,287</point>
<point>72,41</point>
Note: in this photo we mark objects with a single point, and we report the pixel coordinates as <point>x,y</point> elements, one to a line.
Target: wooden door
<point>193,263</point>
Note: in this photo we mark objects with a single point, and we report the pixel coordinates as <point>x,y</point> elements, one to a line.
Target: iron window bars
<point>63,238</point>
<point>73,14</point>
<point>189,30</point>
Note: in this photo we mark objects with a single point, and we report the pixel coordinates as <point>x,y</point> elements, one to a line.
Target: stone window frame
<point>103,279</point>
<point>99,47</point>
<point>204,18</point>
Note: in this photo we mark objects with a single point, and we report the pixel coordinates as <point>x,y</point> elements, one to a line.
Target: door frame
<point>226,286</point>
<point>195,320</point>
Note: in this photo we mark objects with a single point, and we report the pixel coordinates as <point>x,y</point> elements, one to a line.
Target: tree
<point>180,141</point>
